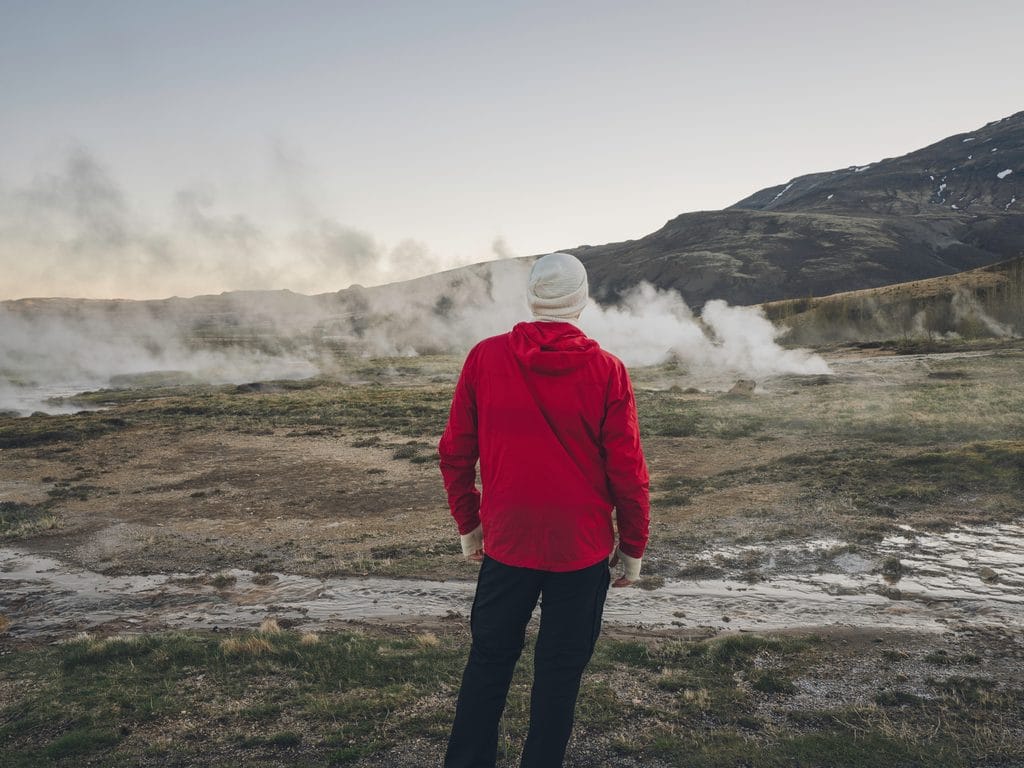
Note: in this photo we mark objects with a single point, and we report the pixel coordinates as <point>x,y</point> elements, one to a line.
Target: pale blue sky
<point>263,132</point>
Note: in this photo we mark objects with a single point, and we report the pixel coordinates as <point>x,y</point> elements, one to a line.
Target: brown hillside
<point>985,302</point>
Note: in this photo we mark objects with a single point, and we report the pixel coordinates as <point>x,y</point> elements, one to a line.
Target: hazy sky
<point>158,148</point>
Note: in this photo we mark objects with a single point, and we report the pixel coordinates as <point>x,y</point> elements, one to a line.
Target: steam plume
<point>649,325</point>
<point>72,232</point>
<point>50,345</point>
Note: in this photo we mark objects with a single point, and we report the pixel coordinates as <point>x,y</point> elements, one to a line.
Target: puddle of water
<point>944,583</point>
<point>25,400</point>
<point>41,595</point>
<point>983,562</point>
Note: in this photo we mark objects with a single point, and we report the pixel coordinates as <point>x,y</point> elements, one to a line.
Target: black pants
<point>570,621</point>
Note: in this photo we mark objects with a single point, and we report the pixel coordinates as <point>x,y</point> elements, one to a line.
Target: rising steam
<point>49,346</point>
<point>650,325</point>
<point>73,232</point>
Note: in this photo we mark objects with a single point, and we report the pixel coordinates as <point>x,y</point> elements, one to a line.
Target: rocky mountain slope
<point>972,172</point>
<point>955,205</point>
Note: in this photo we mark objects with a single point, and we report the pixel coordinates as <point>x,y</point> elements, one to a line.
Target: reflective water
<point>25,400</point>
<point>967,576</point>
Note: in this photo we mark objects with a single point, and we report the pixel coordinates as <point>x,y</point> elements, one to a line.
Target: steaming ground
<point>830,507</point>
<point>50,346</point>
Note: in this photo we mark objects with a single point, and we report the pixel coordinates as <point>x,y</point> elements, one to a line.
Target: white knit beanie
<point>557,289</point>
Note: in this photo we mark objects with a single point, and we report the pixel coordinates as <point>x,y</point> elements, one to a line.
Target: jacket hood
<point>552,348</point>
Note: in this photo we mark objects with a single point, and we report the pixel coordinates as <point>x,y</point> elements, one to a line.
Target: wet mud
<point>930,582</point>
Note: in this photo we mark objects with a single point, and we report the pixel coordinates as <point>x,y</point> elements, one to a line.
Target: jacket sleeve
<point>459,452</point>
<point>625,466</point>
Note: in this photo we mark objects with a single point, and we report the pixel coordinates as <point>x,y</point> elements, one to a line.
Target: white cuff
<point>631,566</point>
<point>472,541</point>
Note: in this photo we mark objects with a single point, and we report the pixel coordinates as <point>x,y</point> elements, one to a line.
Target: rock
<point>743,388</point>
<point>890,592</point>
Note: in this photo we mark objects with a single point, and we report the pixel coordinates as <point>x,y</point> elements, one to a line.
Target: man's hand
<point>622,581</point>
<point>473,544</point>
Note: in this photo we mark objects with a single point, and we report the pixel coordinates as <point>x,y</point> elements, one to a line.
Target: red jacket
<point>552,419</point>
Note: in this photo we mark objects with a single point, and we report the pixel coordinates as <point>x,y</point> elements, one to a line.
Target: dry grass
<point>19,521</point>
<point>270,627</point>
<point>247,646</point>
<point>427,640</point>
<point>968,305</point>
<point>98,645</point>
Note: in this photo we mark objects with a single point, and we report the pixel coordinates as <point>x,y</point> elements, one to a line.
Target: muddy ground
<point>877,509</point>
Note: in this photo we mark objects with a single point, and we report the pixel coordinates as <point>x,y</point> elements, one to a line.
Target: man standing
<point>552,420</point>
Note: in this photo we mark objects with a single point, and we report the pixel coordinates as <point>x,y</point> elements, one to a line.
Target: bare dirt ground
<point>165,501</point>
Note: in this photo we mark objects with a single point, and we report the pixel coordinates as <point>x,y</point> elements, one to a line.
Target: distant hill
<point>984,302</point>
<point>955,205</point>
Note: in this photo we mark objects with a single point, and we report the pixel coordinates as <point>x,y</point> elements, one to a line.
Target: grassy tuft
<point>427,640</point>
<point>767,681</point>
<point>249,646</point>
<point>223,580</point>
<point>270,626</point>
<point>81,742</point>
<point>897,699</point>
<point>19,520</point>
